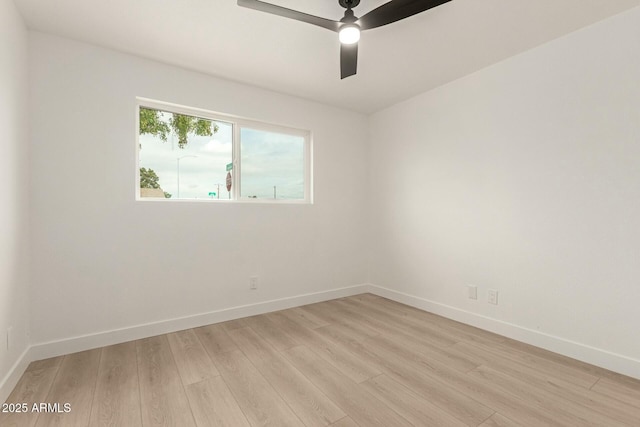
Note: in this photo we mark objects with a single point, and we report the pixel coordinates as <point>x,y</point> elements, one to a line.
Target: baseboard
<point>595,356</point>
<point>86,342</point>
<point>13,376</point>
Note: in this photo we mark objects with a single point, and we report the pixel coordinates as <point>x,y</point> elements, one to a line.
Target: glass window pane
<point>271,165</point>
<point>183,157</point>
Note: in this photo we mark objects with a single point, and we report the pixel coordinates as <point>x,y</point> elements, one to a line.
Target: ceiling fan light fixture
<point>349,27</point>
<point>349,34</point>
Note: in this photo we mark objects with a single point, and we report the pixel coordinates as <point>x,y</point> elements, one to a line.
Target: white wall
<point>523,177</point>
<point>102,261</point>
<point>14,215</point>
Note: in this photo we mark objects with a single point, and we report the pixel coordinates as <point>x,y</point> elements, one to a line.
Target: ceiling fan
<point>349,27</point>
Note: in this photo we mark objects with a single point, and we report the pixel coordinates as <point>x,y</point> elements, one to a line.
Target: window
<point>190,154</point>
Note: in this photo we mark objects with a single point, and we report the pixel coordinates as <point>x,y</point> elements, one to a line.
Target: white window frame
<point>237,123</point>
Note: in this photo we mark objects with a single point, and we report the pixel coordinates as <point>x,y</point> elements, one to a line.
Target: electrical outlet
<point>253,283</point>
<point>492,296</point>
<point>473,291</point>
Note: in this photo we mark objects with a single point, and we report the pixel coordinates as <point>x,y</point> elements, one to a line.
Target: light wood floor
<point>358,361</point>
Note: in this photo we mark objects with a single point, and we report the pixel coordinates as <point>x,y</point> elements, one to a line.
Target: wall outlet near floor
<point>253,283</point>
<point>492,296</point>
<point>472,291</point>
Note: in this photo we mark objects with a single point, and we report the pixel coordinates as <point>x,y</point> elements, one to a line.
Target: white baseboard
<point>101,339</point>
<point>11,379</point>
<point>86,342</point>
<point>595,356</point>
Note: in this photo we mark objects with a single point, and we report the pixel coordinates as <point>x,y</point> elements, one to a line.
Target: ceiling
<point>396,61</point>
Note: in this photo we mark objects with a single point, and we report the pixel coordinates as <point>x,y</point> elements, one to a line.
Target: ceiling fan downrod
<point>349,4</point>
<point>348,17</point>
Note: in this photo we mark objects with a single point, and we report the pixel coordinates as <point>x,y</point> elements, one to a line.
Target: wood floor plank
<point>306,319</point>
<point>389,328</point>
<point>428,382</point>
<point>564,413</point>
<point>562,390</point>
<point>53,362</point>
<point>74,384</point>
<point>360,405</point>
<point>498,399</point>
<point>497,420</point>
<point>483,357</point>
<point>455,329</point>
<point>345,361</point>
<point>213,404</point>
<point>368,297</point>
<point>566,373</point>
<point>335,315</point>
<point>404,324</point>
<point>349,324</point>
<point>446,388</point>
<point>214,339</point>
<point>259,402</point>
<point>337,334</point>
<point>348,327</point>
<point>573,364</point>
<point>437,380</point>
<point>356,314</point>
<point>412,407</point>
<point>32,388</point>
<point>422,351</point>
<point>345,422</point>
<point>192,360</point>
<point>306,400</point>
<point>275,336</point>
<point>501,354</point>
<point>116,400</point>
<point>163,400</point>
<point>559,359</point>
<point>622,392</point>
<point>230,325</point>
<point>623,380</point>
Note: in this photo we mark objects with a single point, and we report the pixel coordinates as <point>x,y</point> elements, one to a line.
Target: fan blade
<point>396,10</point>
<point>348,60</point>
<point>289,13</point>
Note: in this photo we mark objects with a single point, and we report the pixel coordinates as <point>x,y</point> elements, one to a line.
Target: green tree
<point>149,179</point>
<point>152,123</point>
